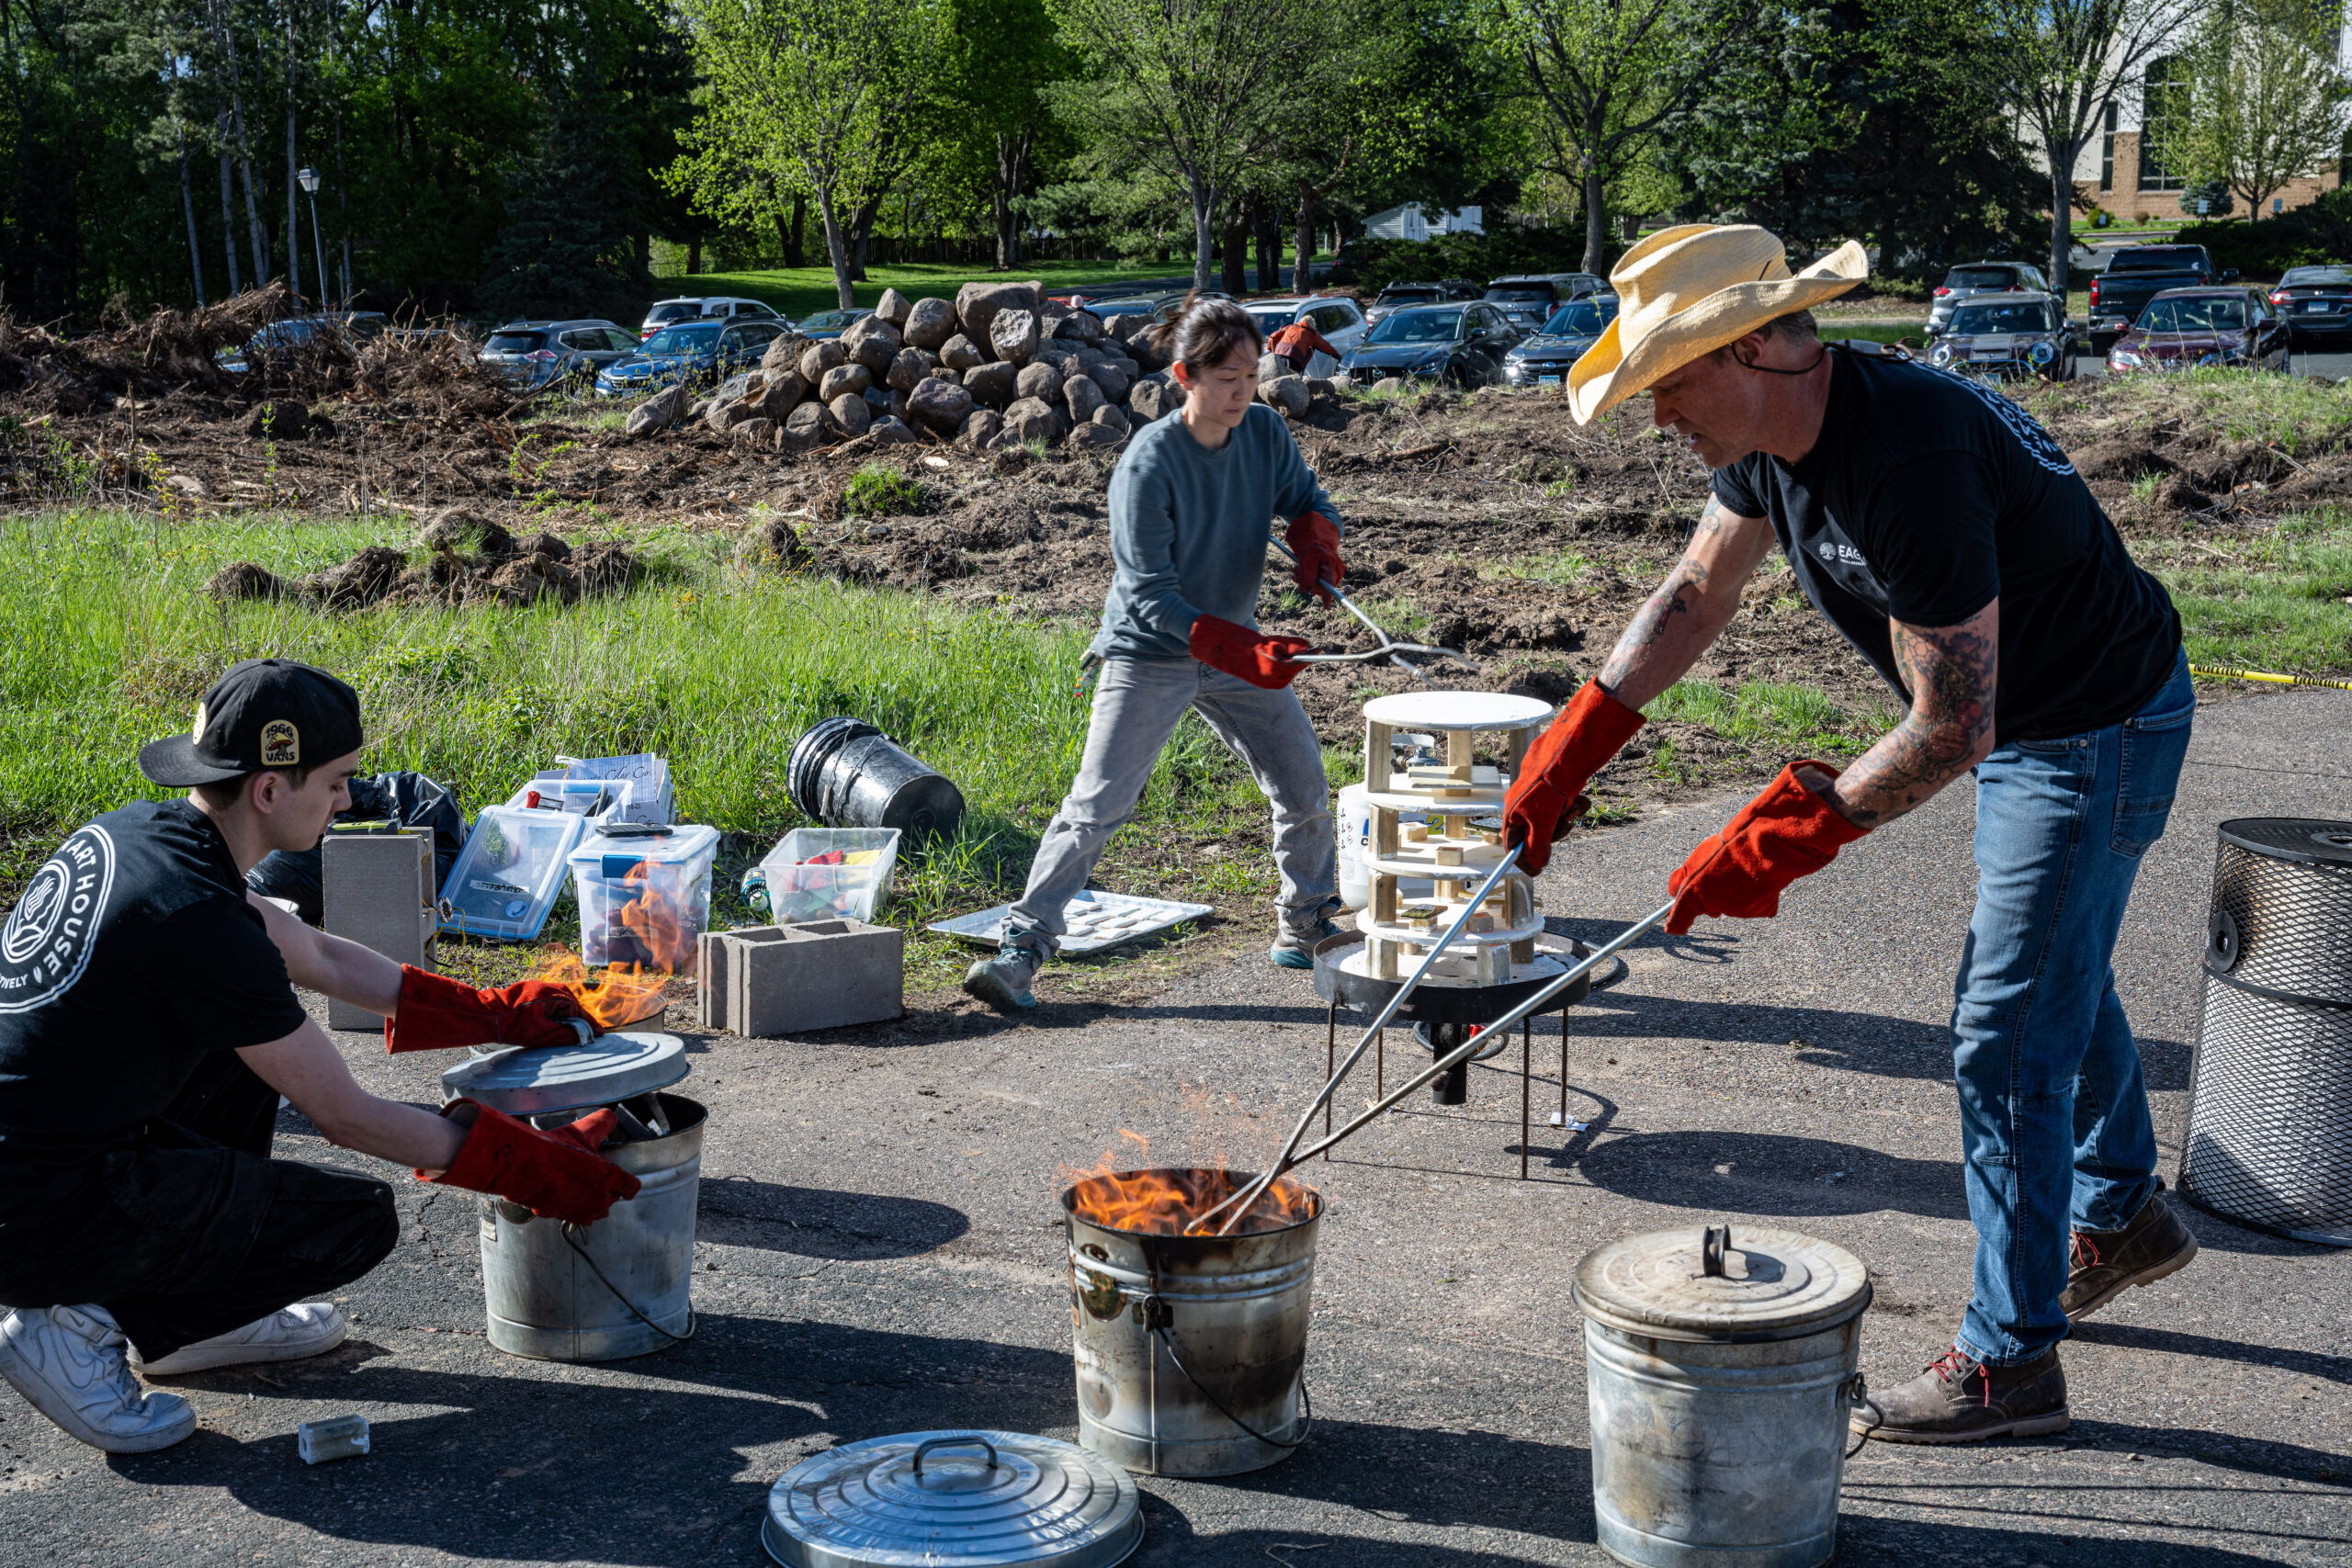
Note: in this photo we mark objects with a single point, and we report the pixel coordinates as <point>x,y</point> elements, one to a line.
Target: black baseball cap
<point>264,712</point>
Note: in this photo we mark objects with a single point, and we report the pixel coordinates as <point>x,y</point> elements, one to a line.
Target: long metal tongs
<point>1389,648</point>
<point>1240,1203</point>
<point>1294,1155</point>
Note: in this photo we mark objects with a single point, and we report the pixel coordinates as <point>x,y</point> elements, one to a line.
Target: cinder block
<point>713,1010</point>
<point>377,889</point>
<point>816,974</point>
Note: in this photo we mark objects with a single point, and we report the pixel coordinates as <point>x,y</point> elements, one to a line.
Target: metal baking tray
<point>1097,922</point>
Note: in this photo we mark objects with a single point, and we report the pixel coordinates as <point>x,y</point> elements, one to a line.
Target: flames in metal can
<point>629,993</point>
<point>1171,1201</point>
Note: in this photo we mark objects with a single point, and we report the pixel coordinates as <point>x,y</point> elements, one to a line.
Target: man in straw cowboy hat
<point>1948,539</point>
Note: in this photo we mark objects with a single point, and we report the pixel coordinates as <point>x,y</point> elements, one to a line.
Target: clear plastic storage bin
<point>826,873</point>
<point>506,878</point>
<point>644,898</point>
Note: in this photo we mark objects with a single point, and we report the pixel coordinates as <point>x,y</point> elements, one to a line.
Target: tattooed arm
<point>1951,671</point>
<point>1690,608</point>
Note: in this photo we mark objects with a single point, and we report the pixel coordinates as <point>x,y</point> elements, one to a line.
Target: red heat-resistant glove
<point>1784,833</point>
<point>1548,794</point>
<point>1314,540</point>
<point>1255,657</point>
<point>556,1174</point>
<point>436,1013</point>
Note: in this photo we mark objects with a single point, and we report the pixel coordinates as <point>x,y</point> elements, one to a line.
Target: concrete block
<point>711,1004</point>
<point>377,889</point>
<point>816,974</point>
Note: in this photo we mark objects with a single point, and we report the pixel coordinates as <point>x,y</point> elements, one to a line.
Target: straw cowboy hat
<point>1686,291</point>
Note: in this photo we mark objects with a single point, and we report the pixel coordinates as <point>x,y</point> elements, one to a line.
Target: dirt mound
<point>364,579</point>
<point>466,532</point>
<point>2120,458</point>
<point>382,575</point>
<point>170,351</point>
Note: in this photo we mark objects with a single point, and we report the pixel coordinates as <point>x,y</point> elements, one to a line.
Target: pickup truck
<point>2136,275</point>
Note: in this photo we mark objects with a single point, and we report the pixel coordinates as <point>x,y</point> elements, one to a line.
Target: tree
<point>1605,74</point>
<point>1198,88</point>
<point>2264,103</point>
<point>819,95</point>
<point>566,248</point>
<point>1004,53</point>
<point>2069,60</point>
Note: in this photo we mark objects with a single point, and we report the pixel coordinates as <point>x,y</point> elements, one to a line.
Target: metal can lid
<point>534,1081</point>
<point>1723,1283</point>
<point>2307,838</point>
<point>984,1499</point>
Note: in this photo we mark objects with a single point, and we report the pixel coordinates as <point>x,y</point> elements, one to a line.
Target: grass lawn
<point>801,291</point>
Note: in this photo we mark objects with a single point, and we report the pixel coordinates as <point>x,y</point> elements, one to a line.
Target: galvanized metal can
<point>1191,1351</point>
<point>1720,1370</point>
<point>615,1289</point>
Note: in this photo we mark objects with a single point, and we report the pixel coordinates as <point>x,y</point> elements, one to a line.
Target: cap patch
<point>281,744</point>
<point>196,734</point>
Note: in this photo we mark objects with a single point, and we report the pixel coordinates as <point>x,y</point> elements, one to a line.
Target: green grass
<point>2276,601</point>
<point>879,489</point>
<point>1561,569</point>
<point>802,291</point>
<point>110,639</point>
<point>1769,714</point>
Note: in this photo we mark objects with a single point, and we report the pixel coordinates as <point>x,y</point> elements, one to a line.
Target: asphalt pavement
<point>880,1251</point>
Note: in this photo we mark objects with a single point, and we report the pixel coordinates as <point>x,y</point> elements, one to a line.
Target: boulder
<point>788,389</point>
<point>696,410</point>
<point>889,432</point>
<point>759,431</point>
<point>852,415</point>
<point>879,398</point>
<point>980,428</point>
<point>1126,327</point>
<point>910,369</point>
<point>722,412</point>
<point>940,405</point>
<point>1391,386</point>
<point>1096,437</point>
<point>929,324</point>
<point>1081,397</point>
<point>961,353</point>
<point>1014,336</point>
<point>1114,380</point>
<point>1080,326</point>
<point>897,407</point>
<point>1041,381</point>
<point>845,380</point>
<point>1112,418</point>
<point>1322,387</point>
<point>977,305</point>
<point>1063,356</point>
<point>1154,397</point>
<point>660,411</point>
<point>1289,394</point>
<point>741,385</point>
<point>992,386</point>
<point>806,428</point>
<point>1148,352</point>
<point>784,353</point>
<point>873,343</point>
<point>1270,366</point>
<point>945,373</point>
<point>819,357</point>
<point>894,308</point>
<point>1030,420</point>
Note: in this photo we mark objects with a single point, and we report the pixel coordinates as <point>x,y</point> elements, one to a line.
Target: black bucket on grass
<point>846,773</point>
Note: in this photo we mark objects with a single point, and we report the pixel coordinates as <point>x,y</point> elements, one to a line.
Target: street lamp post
<point>310,179</point>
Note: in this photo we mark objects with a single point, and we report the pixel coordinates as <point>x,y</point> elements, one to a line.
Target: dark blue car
<point>708,350</point>
<point>1573,328</point>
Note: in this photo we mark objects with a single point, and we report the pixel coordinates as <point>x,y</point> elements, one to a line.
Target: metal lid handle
<point>1712,1244</point>
<point>923,1448</point>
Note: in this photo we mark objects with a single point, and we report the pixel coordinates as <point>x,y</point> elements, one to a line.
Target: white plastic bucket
<point>1354,829</point>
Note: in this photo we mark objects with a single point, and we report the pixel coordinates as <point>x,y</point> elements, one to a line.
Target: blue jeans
<point>2054,1110</point>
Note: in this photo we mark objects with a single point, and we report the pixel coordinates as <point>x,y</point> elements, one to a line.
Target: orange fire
<point>631,992</point>
<point>1169,1202</point>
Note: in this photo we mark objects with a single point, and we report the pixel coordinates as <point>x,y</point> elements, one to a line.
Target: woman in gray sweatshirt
<point>1191,502</point>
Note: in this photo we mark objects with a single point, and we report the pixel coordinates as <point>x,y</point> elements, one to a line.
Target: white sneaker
<point>288,1334</point>
<point>68,1362</point>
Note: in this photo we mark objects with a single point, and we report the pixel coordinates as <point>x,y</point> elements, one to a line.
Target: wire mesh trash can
<point>2269,1140</point>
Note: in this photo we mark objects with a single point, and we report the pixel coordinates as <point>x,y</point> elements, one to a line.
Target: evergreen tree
<point>567,248</point>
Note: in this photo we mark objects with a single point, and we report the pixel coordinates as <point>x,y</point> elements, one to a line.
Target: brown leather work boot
<point>1961,1400</point>
<point>2107,1262</point>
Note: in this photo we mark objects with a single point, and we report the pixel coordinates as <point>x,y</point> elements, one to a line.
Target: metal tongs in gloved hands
<point>1402,653</point>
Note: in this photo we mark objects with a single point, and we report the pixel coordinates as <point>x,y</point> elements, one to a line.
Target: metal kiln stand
<point>1505,955</point>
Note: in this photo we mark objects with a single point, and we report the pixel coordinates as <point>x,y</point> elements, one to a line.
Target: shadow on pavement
<point>1767,1173</point>
<point>818,1222</point>
<point>2132,1337</point>
<point>1937,1537</point>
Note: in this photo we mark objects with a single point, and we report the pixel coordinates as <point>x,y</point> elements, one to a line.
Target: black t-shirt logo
<point>54,928</point>
<point>2023,425</point>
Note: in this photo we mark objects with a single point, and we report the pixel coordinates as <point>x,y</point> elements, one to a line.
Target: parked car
<point>1965,282</point>
<point>702,307</point>
<point>2315,300</point>
<point>1455,346</point>
<point>2183,329</point>
<point>2137,274</point>
<point>1544,359</point>
<point>1529,299</point>
<point>2017,335</point>
<point>1159,307</point>
<point>828,323</point>
<point>541,353</point>
<point>709,350</point>
<point>1337,318</point>
<point>293,331</point>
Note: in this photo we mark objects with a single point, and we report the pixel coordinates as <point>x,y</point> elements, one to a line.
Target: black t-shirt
<point>131,954</point>
<point>1929,495</point>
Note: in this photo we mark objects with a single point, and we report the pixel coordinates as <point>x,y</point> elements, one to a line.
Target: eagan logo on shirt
<point>53,929</point>
<point>1834,552</point>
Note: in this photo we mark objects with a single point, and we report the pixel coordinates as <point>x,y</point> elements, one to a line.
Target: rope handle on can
<point>571,1240</point>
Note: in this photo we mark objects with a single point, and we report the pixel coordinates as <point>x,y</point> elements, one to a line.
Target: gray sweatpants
<point>1138,704</point>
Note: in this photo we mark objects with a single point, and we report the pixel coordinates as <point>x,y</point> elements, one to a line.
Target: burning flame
<point>1169,1202</point>
<point>631,992</point>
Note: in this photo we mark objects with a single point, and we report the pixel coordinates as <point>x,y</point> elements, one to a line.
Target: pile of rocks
<point>999,365</point>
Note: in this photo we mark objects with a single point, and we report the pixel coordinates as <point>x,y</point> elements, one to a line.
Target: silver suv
<point>540,354</point>
<point>1985,278</point>
<point>694,307</point>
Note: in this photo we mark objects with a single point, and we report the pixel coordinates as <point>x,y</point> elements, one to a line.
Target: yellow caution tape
<point>2230,672</point>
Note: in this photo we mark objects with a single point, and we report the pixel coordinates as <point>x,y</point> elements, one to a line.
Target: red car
<point>2182,329</point>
